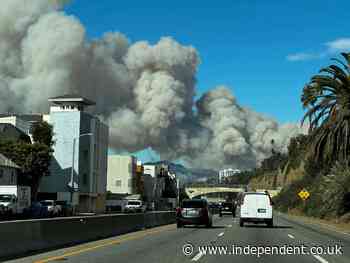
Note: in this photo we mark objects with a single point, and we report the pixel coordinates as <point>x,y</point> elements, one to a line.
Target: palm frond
<point>327,100</point>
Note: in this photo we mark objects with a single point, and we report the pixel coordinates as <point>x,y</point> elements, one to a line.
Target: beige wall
<point>121,174</point>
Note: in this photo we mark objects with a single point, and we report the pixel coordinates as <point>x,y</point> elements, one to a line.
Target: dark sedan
<point>194,212</point>
<point>228,207</point>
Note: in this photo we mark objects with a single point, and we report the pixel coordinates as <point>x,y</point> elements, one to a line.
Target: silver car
<point>134,206</point>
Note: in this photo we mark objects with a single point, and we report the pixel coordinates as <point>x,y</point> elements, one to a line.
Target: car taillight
<point>204,211</point>
<point>178,211</point>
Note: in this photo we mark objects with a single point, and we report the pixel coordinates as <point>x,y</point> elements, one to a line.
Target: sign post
<point>304,195</point>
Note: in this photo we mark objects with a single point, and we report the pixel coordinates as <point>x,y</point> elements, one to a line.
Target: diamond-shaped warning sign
<point>304,194</point>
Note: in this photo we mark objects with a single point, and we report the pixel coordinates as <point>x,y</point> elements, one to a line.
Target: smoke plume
<point>145,92</point>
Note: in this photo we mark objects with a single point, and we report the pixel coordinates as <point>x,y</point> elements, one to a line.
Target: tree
<point>275,161</point>
<point>183,194</point>
<point>43,133</point>
<point>327,100</point>
<point>297,149</point>
<point>272,146</point>
<point>34,159</point>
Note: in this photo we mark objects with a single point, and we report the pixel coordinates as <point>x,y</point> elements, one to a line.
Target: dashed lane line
<point>197,257</point>
<point>321,259</point>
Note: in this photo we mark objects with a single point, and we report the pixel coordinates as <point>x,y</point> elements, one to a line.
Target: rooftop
<point>32,117</point>
<point>75,98</point>
<point>4,161</point>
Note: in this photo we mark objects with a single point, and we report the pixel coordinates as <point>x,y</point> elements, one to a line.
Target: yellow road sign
<point>304,194</point>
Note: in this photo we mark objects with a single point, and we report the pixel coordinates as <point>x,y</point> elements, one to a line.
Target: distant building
<point>225,173</point>
<point>12,133</point>
<point>160,186</point>
<point>121,176</point>
<point>83,136</point>
<point>139,182</point>
<point>17,121</point>
<point>152,170</point>
<point>8,171</point>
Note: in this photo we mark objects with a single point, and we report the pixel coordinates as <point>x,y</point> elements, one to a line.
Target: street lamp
<point>178,191</point>
<point>74,186</point>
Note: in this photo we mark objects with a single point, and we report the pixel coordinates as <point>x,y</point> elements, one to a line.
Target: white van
<point>14,199</point>
<point>255,207</point>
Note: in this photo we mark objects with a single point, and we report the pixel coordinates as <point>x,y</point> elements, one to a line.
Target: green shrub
<point>329,194</point>
<point>288,198</point>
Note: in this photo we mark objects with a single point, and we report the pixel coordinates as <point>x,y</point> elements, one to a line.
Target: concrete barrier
<point>26,236</point>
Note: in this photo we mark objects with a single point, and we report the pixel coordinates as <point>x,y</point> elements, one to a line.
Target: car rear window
<point>193,204</point>
<point>264,197</point>
<point>6,198</point>
<point>46,203</point>
<point>134,203</point>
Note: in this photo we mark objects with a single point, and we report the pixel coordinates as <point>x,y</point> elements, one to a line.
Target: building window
<point>13,177</point>
<point>118,183</point>
<point>97,154</point>
<point>85,178</point>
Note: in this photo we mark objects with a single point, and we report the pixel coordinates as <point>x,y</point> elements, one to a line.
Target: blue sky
<point>265,50</point>
<point>243,43</point>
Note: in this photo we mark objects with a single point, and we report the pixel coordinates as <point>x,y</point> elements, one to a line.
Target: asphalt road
<point>165,244</point>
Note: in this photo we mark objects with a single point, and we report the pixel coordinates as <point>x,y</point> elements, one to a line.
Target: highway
<point>165,244</point>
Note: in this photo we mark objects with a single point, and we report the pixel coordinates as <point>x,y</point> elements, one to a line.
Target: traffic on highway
<point>289,240</point>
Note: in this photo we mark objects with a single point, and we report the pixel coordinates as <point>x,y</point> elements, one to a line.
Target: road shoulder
<point>315,225</point>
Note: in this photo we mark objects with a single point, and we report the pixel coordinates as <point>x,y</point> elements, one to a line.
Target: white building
<point>80,155</point>
<point>151,170</point>
<point>225,173</point>
<point>121,174</point>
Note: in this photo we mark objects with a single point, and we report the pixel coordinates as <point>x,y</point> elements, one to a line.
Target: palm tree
<point>327,100</point>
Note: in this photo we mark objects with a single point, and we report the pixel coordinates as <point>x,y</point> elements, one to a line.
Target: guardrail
<point>26,236</point>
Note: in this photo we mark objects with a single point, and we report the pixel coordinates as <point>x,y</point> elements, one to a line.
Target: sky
<point>264,50</point>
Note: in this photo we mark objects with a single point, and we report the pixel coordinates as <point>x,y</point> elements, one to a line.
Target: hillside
<point>278,178</point>
<point>188,175</point>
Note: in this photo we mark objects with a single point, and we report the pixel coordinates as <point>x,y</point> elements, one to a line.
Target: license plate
<point>261,210</point>
<point>192,212</point>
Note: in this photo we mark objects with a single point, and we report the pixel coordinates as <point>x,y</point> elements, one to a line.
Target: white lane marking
<point>221,234</point>
<point>291,236</point>
<point>321,259</point>
<point>197,257</point>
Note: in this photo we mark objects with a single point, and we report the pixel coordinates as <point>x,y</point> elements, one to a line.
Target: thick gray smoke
<point>144,92</point>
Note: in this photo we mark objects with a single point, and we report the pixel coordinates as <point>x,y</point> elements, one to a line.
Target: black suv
<point>228,207</point>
